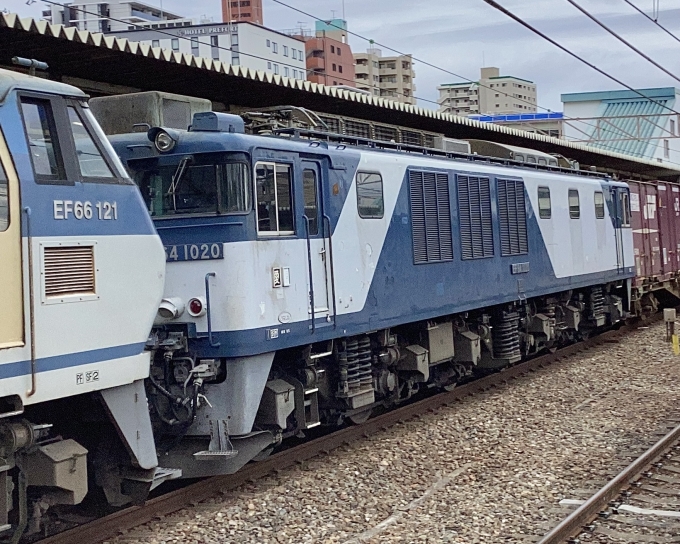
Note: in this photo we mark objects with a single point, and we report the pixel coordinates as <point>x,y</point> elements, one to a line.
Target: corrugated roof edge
<point>12,20</point>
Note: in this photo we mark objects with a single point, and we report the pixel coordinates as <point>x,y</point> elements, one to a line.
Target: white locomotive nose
<point>171,308</point>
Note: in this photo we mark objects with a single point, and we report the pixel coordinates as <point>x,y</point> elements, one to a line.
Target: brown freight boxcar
<point>655,219</point>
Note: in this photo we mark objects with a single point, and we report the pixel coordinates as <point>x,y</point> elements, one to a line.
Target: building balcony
<point>316,63</point>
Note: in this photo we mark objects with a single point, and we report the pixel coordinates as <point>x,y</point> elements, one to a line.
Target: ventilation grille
<point>355,128</point>
<point>411,138</point>
<point>69,270</point>
<point>512,217</point>
<point>386,133</point>
<point>430,217</point>
<point>474,209</point>
<point>332,123</point>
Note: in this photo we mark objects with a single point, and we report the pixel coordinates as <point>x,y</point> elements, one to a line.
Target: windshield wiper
<point>176,178</point>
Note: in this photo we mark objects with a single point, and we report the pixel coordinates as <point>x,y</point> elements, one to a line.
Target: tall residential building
<point>242,11</point>
<point>329,56</point>
<point>625,122</point>
<point>239,44</point>
<point>493,94</point>
<point>112,16</point>
<point>390,77</point>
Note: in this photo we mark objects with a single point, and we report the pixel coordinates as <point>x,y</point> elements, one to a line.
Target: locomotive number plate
<point>194,252</point>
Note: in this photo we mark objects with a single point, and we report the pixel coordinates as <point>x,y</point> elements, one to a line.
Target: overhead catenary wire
<point>522,22</point>
<point>446,71</point>
<point>623,40</point>
<point>171,35</point>
<point>653,20</point>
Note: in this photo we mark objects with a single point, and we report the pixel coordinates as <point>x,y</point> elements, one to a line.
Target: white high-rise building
<point>112,16</point>
<point>493,94</point>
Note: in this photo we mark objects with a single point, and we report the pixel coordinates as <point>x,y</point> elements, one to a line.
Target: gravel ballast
<point>491,469</point>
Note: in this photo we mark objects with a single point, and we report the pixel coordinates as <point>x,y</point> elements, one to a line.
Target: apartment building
<point>493,94</point>
<point>239,44</point>
<point>390,77</point>
<point>329,56</point>
<point>112,16</point>
<point>242,11</point>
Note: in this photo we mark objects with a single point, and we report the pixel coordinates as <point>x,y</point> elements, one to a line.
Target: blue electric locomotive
<point>310,280</point>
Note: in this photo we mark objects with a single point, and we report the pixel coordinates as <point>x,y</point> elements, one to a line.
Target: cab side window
<point>625,208</point>
<point>90,160</point>
<point>4,201</point>
<point>311,204</point>
<point>43,142</point>
<point>273,186</point>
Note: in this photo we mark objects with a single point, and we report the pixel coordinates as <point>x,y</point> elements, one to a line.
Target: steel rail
<point>110,526</point>
<point>574,523</point>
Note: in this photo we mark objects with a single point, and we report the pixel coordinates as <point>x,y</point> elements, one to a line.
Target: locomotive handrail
<point>31,300</point>
<point>311,276</point>
<point>327,221</point>
<point>207,309</point>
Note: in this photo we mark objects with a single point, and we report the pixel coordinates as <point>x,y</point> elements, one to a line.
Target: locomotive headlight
<point>171,308</point>
<point>164,142</point>
<point>165,139</point>
<point>196,307</point>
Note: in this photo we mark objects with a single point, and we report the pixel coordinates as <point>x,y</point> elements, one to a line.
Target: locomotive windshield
<point>194,184</point>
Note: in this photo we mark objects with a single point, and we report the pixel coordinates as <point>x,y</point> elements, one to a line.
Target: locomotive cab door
<point>316,231</point>
<point>11,292</point>
<point>621,201</point>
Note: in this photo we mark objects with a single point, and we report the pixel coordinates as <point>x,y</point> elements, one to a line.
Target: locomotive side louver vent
<point>430,217</point>
<point>474,210</point>
<point>512,217</point>
<point>69,270</point>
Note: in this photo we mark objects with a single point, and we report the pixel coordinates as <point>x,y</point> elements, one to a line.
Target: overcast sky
<point>463,35</point>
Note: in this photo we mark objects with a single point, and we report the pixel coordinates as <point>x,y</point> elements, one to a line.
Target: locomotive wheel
<point>361,417</point>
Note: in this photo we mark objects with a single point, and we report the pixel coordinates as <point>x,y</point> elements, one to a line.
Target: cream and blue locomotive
<point>311,281</point>
<point>81,278</point>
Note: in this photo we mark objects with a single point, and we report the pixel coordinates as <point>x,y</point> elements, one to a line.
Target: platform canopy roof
<point>103,64</point>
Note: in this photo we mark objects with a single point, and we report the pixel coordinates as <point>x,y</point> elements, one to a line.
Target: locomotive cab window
<point>90,159</point>
<point>273,185</point>
<point>43,143</point>
<point>574,204</point>
<point>4,201</point>
<point>370,195</point>
<point>599,205</point>
<point>196,184</point>
<point>544,209</point>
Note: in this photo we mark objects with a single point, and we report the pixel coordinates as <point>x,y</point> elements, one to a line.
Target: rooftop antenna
<point>343,10</point>
<point>333,13</point>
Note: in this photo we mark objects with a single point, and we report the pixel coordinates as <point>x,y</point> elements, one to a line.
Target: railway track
<point>112,525</point>
<point>639,504</point>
